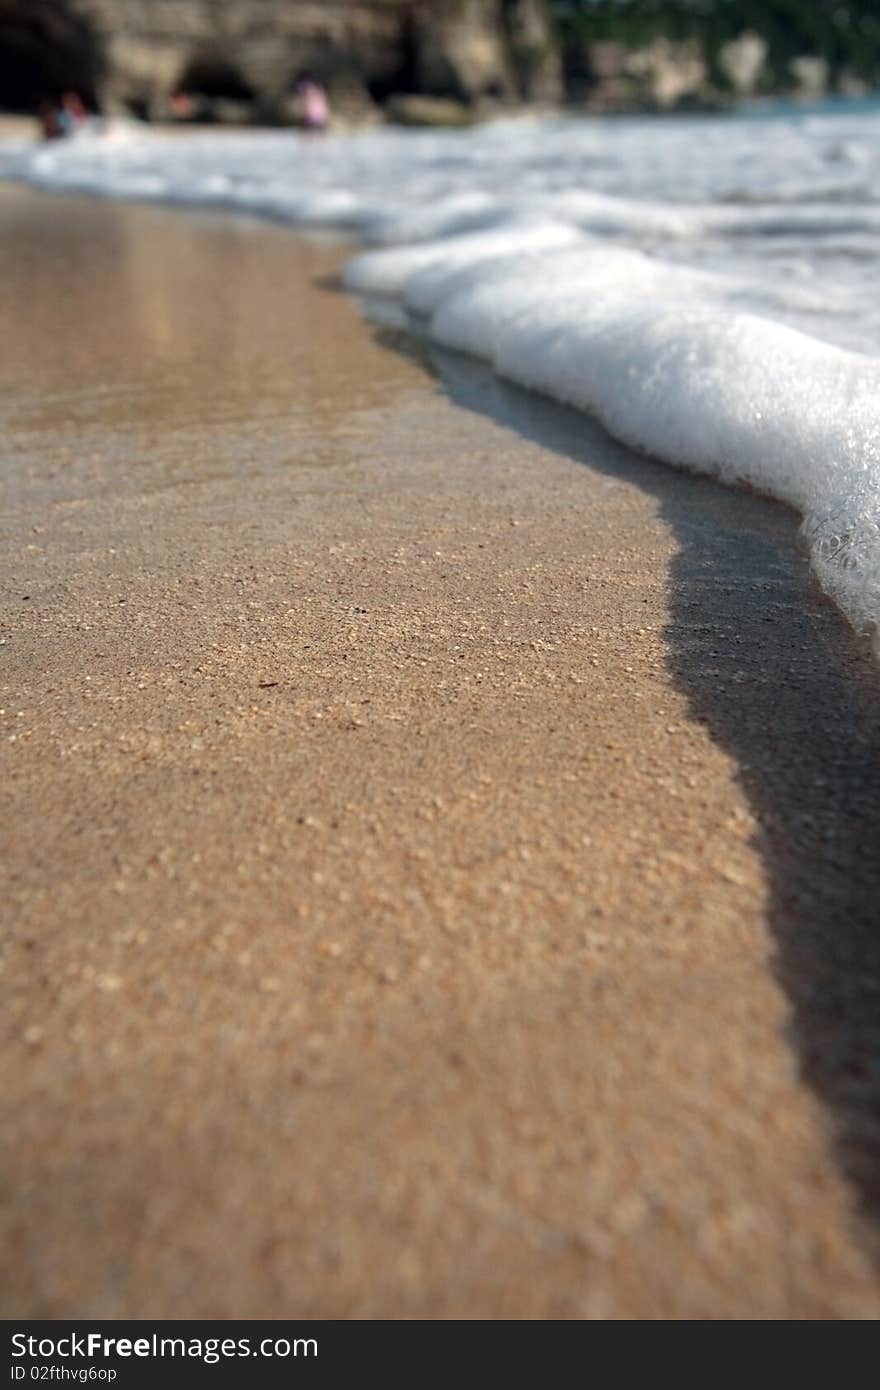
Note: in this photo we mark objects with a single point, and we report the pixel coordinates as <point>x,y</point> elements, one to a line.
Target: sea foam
<point>698,287</point>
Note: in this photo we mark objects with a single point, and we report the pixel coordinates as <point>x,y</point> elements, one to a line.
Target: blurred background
<point>429,61</point>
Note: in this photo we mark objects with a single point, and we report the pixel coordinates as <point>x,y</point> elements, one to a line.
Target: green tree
<point>846,33</point>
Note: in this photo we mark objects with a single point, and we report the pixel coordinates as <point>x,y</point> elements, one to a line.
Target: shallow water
<point>130,362</point>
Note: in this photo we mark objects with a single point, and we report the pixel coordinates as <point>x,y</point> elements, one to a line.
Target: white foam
<point>700,288</point>
<point>388,271</point>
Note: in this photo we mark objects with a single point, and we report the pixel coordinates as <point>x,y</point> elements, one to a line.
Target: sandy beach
<point>441,868</point>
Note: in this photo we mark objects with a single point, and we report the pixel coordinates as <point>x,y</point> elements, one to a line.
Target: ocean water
<point>706,287</point>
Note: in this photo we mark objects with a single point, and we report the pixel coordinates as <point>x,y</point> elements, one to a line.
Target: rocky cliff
<point>251,51</point>
<point>239,59</point>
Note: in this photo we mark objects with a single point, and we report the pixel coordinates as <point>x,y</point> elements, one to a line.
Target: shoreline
<point>18,126</point>
<point>738,345</point>
<point>403,775</point>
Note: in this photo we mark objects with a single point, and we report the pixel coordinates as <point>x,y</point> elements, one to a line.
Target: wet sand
<point>441,866</point>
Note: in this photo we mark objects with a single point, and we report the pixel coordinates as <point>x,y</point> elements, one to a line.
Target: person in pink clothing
<point>314,104</point>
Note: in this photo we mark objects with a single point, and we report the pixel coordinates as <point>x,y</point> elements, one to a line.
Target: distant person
<point>182,106</point>
<point>73,114</point>
<point>314,104</point>
<point>49,118</point>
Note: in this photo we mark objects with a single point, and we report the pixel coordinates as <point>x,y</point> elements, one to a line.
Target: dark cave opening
<point>47,49</point>
<point>213,73</point>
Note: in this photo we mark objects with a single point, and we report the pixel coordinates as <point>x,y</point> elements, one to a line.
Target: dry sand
<point>18,127</point>
<point>441,867</point>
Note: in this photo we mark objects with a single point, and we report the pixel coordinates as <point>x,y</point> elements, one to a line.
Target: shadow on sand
<point>782,684</point>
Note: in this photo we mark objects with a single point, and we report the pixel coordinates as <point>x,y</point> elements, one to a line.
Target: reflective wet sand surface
<point>435,884</point>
